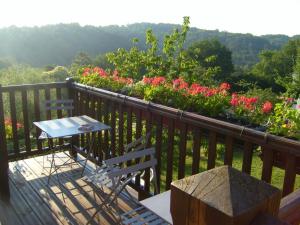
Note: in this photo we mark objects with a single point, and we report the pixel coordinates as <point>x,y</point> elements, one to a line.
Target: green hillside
<point>58,44</point>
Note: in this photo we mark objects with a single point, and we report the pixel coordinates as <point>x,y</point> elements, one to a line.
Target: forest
<point>57,44</point>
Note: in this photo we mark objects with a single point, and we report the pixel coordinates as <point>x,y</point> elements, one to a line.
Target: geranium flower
<point>158,81</point>
<point>267,107</point>
<point>147,80</point>
<point>179,84</point>
<point>225,86</point>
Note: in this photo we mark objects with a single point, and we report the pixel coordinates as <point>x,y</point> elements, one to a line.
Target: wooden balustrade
<point>177,136</point>
<point>21,105</point>
<point>174,130</point>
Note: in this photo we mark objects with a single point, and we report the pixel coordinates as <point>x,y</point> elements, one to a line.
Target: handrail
<point>244,133</point>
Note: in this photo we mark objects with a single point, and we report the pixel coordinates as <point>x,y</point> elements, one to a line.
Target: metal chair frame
<point>116,173</point>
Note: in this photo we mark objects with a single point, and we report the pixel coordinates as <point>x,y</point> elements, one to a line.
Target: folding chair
<point>116,173</point>
<point>142,216</point>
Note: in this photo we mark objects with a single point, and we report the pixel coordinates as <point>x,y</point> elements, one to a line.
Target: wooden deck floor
<point>34,202</point>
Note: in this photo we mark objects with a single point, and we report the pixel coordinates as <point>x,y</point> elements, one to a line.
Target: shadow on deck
<point>34,202</point>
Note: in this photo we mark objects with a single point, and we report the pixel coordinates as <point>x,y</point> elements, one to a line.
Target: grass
<point>256,168</point>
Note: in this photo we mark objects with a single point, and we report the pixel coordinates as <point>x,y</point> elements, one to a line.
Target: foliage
<point>9,129</point>
<point>249,110</point>
<point>278,68</point>
<point>173,60</point>
<point>59,73</point>
<point>286,120</point>
<point>98,77</point>
<point>22,74</point>
<point>57,44</point>
<point>212,54</point>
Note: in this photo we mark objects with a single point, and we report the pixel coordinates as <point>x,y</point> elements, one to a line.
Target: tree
<point>279,67</point>
<point>212,54</point>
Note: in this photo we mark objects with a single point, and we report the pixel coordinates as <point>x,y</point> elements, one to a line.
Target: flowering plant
<point>8,128</point>
<point>100,78</point>
<point>285,120</point>
<point>250,109</point>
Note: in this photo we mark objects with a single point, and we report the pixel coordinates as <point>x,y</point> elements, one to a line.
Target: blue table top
<point>70,126</point>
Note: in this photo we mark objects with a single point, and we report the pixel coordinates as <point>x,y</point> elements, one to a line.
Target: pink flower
<point>267,107</point>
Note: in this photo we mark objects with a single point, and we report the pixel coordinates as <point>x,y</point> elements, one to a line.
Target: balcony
<point>185,143</point>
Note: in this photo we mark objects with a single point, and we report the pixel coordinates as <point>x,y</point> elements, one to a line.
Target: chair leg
<point>52,165</point>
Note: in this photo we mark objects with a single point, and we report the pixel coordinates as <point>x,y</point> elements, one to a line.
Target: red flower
<point>179,84</point>
<point>267,107</point>
<point>86,72</point>
<point>234,100</point>
<point>158,81</point>
<point>225,86</point>
<point>147,80</point>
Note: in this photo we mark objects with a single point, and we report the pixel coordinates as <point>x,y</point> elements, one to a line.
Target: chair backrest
<point>65,105</point>
<point>138,144</point>
<point>132,163</point>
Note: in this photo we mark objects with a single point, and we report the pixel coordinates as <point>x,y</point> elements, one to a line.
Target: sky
<point>240,16</point>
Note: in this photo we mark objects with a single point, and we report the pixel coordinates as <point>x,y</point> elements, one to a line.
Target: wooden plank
<point>170,151</point>
<point>93,115</point>
<point>148,130</point>
<point>158,145</point>
<point>138,134</point>
<point>59,96</point>
<point>129,125</point>
<point>47,98</point>
<point>81,194</point>
<point>13,116</point>
<point>28,202</point>
<point>33,86</point>
<point>106,121</point>
<point>23,208</point>
<point>182,150</point>
<point>113,129</point>
<point>4,187</point>
<point>59,111</point>
<point>26,121</point>
<point>267,164</point>
<point>212,150</point>
<point>82,111</point>
<point>290,175</point>
<point>196,150</point>
<point>228,150</point>
<point>50,194</point>
<point>289,208</point>
<point>99,134</point>
<point>247,157</point>
<point>121,129</point>
<point>37,116</point>
<point>8,215</point>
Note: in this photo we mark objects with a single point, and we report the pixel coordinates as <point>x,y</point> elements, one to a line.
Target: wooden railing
<point>174,130</point>
<point>180,138</point>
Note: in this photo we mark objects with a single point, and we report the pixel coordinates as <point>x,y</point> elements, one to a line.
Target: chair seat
<point>100,177</point>
<point>142,215</point>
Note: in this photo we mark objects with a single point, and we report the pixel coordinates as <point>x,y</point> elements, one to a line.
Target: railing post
<point>75,140</point>
<point>4,185</point>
